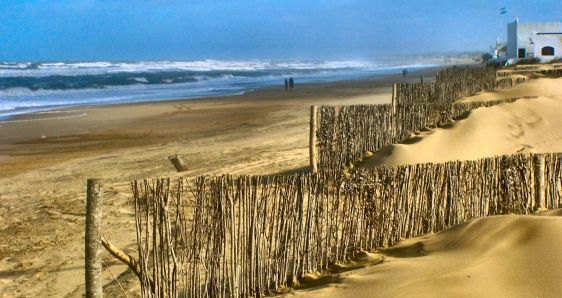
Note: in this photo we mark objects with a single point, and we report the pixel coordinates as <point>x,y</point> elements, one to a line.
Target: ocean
<point>27,87</point>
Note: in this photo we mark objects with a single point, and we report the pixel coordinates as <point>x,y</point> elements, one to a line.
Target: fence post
<point>312,145</point>
<point>394,103</point>
<point>93,264</point>
<point>394,99</point>
<point>540,187</point>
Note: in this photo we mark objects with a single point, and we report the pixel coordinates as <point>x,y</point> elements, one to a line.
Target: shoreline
<point>427,72</point>
<point>42,139</point>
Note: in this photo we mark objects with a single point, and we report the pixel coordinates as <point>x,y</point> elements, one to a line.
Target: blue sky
<point>246,29</point>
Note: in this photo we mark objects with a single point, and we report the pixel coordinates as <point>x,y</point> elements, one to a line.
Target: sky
<point>80,30</point>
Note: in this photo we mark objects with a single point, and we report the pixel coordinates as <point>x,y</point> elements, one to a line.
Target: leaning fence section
<point>231,236</point>
<point>346,133</point>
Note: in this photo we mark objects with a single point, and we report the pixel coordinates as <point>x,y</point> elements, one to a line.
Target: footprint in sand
<point>530,118</point>
<point>533,120</point>
<point>516,130</point>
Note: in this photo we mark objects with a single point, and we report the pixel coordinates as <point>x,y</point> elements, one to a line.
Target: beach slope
<point>525,126</point>
<point>498,256</point>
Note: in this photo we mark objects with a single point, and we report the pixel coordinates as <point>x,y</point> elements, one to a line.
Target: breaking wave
<point>42,85</point>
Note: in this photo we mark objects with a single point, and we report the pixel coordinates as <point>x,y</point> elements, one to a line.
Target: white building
<point>534,40</point>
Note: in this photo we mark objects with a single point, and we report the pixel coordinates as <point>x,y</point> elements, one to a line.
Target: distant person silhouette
<point>291,83</point>
<point>404,72</point>
<point>286,84</point>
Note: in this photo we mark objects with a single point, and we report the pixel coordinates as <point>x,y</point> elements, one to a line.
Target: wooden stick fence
<point>454,83</point>
<point>554,69</point>
<point>253,235</point>
<point>450,85</point>
<point>346,133</point>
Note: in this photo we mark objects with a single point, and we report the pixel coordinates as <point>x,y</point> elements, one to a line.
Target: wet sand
<point>41,139</point>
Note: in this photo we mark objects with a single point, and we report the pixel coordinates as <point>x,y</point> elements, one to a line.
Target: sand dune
<point>500,256</point>
<point>539,87</point>
<point>531,125</point>
<point>503,256</point>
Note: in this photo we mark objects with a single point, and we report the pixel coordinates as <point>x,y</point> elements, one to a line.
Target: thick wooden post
<point>394,104</point>
<point>94,200</point>
<point>178,163</point>
<point>312,145</point>
<point>540,187</point>
<point>394,99</point>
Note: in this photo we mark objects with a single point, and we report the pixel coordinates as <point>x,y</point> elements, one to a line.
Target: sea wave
<point>63,80</point>
<point>101,74</point>
<point>39,69</point>
<point>26,86</point>
<point>85,81</point>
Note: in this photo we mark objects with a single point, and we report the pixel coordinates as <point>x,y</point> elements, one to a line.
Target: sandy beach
<point>45,159</point>
<point>280,149</point>
<point>498,256</point>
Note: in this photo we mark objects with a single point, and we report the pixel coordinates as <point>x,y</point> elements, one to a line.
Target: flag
<point>503,10</point>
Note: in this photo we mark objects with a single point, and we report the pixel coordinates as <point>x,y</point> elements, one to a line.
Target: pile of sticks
<point>254,235</point>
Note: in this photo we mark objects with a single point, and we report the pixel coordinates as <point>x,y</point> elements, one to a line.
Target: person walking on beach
<point>291,83</point>
<point>286,84</point>
<point>404,72</point>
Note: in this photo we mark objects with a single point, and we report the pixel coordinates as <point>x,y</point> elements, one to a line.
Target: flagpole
<point>503,11</point>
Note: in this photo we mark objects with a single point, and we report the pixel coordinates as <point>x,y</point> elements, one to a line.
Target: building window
<point>521,53</point>
<point>547,51</point>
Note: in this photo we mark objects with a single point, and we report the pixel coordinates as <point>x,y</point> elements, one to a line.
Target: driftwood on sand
<point>178,163</point>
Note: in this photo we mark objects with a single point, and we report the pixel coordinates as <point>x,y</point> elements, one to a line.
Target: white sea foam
<point>141,79</point>
<point>152,81</point>
<point>102,67</point>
